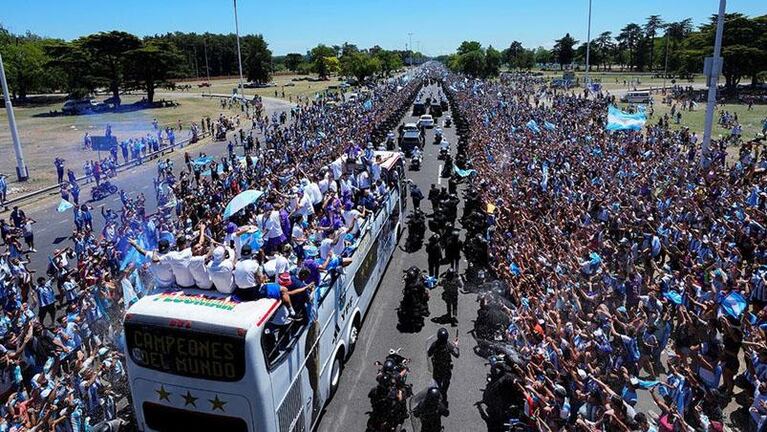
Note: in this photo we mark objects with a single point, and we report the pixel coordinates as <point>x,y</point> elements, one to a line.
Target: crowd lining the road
<point>61,365</point>
<point>631,270</point>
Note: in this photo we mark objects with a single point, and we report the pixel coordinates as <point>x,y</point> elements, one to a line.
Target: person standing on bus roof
<point>160,263</point>
<point>221,269</point>
<point>197,266</point>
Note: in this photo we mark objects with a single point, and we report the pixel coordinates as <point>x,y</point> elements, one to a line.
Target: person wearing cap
<point>221,268</point>
<point>159,263</point>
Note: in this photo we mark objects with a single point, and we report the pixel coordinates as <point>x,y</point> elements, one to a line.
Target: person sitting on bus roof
<point>277,264</point>
<point>368,200</point>
<point>200,254</point>
<point>299,289</point>
<point>221,269</point>
<point>160,263</point>
<point>247,275</point>
<point>179,262</point>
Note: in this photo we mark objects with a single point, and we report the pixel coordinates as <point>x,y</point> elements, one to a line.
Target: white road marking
<point>61,221</point>
<point>439,175</point>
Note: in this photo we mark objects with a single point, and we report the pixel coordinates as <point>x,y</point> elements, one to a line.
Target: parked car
<point>637,97</point>
<point>426,121</point>
<point>203,84</point>
<point>77,106</point>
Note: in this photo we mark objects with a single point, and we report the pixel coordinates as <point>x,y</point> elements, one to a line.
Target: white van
<point>637,97</point>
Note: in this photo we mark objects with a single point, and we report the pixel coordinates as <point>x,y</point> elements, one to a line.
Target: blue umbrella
<point>242,200</point>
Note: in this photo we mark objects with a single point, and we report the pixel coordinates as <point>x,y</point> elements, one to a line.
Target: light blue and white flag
<point>549,126</point>
<point>463,172</point>
<point>618,120</point>
<point>368,105</point>
<point>734,304</point>
<point>533,126</point>
<point>64,205</point>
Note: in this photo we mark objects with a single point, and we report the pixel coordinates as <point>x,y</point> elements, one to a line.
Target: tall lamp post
<point>713,67</point>
<point>21,169</point>
<point>588,46</point>
<point>410,44</point>
<point>239,54</point>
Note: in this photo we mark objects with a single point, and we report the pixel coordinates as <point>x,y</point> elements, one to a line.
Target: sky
<point>438,27</point>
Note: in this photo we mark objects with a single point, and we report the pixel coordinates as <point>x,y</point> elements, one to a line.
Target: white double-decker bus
<point>199,361</point>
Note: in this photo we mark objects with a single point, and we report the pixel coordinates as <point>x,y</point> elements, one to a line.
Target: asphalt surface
<point>349,409</point>
<point>52,229</point>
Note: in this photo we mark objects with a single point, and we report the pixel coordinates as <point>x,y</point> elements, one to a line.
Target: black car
<point>419,109</point>
<point>435,109</point>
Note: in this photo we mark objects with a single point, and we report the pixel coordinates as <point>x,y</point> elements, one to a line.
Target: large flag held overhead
<point>618,120</point>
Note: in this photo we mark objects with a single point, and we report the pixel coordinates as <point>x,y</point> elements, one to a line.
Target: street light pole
<point>713,69</point>
<point>239,54</point>
<point>21,169</point>
<point>665,68</point>
<point>588,45</point>
<point>205,48</point>
<point>410,44</point>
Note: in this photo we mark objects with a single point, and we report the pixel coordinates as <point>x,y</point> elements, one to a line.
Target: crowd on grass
<point>61,361</point>
<point>634,266</point>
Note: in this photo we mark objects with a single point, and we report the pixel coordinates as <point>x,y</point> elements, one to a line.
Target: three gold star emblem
<point>217,403</point>
<point>190,400</point>
<point>163,394</point>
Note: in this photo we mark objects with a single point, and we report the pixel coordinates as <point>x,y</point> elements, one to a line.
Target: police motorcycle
<point>103,190</point>
<point>444,150</point>
<point>414,306</point>
<point>438,135</point>
<point>389,398</point>
<point>391,142</point>
<point>416,228</point>
<point>416,159</point>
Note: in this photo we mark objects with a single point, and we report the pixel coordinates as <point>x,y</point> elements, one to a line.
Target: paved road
<point>349,409</point>
<point>52,228</point>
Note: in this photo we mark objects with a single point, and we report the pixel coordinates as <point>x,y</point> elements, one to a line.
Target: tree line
<point>119,61</point>
<point>655,46</point>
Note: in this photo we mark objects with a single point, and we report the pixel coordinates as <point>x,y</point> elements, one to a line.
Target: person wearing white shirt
<point>352,218</point>
<point>197,263</point>
<point>347,188</point>
<point>375,169</point>
<point>313,189</point>
<point>179,263</point>
<point>363,180</point>
<point>247,275</point>
<point>160,263</point>
<point>277,264</point>
<point>221,269</point>
<point>336,167</point>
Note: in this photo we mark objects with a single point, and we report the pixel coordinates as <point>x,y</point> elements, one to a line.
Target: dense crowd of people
<point>631,266</point>
<point>61,361</point>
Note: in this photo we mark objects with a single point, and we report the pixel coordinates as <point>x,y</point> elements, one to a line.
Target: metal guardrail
<point>121,167</point>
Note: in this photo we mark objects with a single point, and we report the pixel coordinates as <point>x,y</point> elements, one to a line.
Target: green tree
<point>107,51</point>
<point>25,66</point>
<point>563,50</point>
<point>321,56</point>
<point>360,65</point>
<point>468,46</point>
<point>513,53</point>
<point>629,41</point>
<point>493,60</point>
<point>258,59</point>
<point>152,65</point>
<point>390,60</point>
<point>74,63</point>
<point>292,60</point>
<point>651,27</point>
<point>542,55</point>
